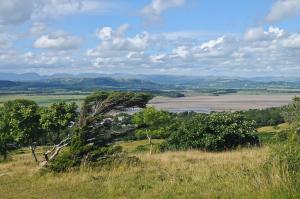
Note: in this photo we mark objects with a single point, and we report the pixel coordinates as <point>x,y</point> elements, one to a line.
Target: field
<point>186,174</point>
<point>44,99</point>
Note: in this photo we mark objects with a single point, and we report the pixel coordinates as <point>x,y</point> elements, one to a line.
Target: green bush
<point>64,162</point>
<point>214,132</point>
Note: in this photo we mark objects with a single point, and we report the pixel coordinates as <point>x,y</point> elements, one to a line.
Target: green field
<point>44,99</point>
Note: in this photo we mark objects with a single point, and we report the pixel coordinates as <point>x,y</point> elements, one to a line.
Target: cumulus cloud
<point>115,46</point>
<point>213,43</point>
<point>293,41</point>
<point>153,11</point>
<point>282,9</point>
<point>259,34</point>
<point>254,34</point>
<point>58,41</point>
<point>274,50</point>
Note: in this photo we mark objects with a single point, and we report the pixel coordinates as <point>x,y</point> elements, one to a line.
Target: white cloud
<point>259,34</point>
<point>15,11</point>
<point>115,45</point>
<point>213,43</point>
<point>57,8</point>
<point>107,33</point>
<point>254,34</point>
<point>293,41</point>
<point>58,41</point>
<point>153,11</point>
<point>38,29</point>
<point>282,9</point>
<point>181,51</point>
<point>157,58</point>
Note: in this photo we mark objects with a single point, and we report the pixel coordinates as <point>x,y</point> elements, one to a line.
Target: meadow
<point>182,174</point>
<point>44,99</point>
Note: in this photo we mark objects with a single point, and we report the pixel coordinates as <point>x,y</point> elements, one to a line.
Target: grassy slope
<point>192,174</point>
<point>272,134</point>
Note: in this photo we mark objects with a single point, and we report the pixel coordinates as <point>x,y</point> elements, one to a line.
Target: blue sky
<point>179,37</point>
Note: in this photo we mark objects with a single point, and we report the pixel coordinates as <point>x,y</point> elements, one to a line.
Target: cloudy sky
<point>181,37</point>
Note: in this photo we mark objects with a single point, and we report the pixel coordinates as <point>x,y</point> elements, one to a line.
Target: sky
<point>174,37</point>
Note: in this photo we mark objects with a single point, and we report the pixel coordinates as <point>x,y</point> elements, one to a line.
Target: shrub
<point>66,161</point>
<point>214,132</point>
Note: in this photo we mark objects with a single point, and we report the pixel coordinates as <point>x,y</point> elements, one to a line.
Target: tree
<point>152,123</point>
<point>22,118</point>
<point>56,118</point>
<point>6,139</point>
<point>214,132</point>
<point>95,131</point>
<point>291,113</point>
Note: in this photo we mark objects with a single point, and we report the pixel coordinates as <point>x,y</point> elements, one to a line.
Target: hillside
<point>85,84</point>
<point>192,174</point>
<point>33,81</point>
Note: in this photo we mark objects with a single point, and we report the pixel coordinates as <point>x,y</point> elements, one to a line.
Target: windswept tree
<point>152,123</point>
<point>56,119</point>
<point>22,119</point>
<point>94,135</point>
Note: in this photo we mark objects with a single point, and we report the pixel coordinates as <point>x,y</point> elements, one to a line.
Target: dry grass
<point>190,174</point>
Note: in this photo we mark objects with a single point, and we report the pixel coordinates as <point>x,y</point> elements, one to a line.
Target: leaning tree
<point>96,131</point>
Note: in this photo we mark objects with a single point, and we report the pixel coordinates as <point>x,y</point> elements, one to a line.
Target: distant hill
<point>86,84</point>
<point>8,84</point>
<point>92,81</point>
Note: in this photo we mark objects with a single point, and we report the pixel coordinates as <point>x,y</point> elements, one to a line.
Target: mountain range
<point>92,81</point>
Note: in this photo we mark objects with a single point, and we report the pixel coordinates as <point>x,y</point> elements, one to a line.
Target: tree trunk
<point>32,148</point>
<point>150,141</point>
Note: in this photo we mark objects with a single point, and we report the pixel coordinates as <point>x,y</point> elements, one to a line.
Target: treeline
<point>24,123</point>
<point>265,117</point>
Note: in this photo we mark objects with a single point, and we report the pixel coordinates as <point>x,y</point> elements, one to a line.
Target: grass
<point>44,100</point>
<point>131,146</point>
<point>185,174</point>
<point>278,128</point>
<point>273,134</point>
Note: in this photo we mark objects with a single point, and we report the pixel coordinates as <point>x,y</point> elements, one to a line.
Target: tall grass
<point>190,174</point>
